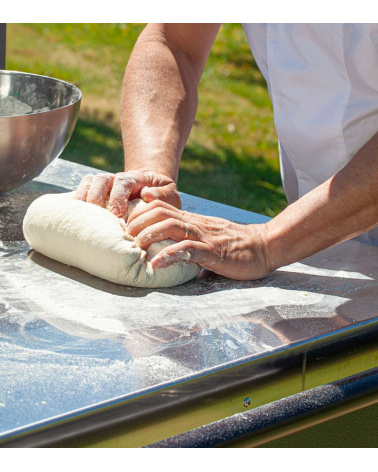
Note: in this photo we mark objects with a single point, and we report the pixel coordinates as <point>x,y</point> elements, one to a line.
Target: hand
<point>229,249</point>
<point>124,186</point>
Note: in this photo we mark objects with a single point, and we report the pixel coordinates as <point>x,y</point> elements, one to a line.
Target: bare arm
<point>159,96</point>
<point>343,207</point>
<point>158,107</point>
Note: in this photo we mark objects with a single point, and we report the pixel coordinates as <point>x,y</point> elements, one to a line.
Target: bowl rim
<point>53,79</point>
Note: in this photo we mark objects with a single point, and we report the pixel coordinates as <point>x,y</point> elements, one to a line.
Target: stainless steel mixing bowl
<point>37,118</point>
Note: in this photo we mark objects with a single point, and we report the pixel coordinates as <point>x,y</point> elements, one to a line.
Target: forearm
<point>343,207</point>
<point>159,101</point>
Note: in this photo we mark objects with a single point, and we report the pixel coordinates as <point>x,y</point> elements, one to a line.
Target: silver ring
<point>186,231</point>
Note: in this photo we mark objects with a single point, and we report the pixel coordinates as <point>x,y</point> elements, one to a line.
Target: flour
<point>342,274</point>
<point>89,312</point>
<point>10,106</point>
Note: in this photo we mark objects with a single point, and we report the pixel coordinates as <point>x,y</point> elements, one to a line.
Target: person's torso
<point>323,83</point>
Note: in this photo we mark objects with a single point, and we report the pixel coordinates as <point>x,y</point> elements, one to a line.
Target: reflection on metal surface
<point>37,117</point>
<point>70,341</point>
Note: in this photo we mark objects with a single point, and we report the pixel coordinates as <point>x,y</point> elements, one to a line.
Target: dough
<point>93,239</point>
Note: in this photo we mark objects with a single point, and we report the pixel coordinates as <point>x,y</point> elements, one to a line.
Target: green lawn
<point>231,156</point>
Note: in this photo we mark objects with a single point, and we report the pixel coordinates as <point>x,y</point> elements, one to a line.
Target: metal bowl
<point>37,118</point>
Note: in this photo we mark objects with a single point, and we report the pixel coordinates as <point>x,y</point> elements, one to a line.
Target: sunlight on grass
<point>231,155</point>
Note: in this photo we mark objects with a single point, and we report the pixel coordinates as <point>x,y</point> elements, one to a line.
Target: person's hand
<point>233,250</point>
<point>119,188</point>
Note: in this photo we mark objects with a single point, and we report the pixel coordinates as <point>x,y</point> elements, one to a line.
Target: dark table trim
<point>330,400</point>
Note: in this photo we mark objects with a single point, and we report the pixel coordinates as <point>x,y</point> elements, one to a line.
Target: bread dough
<point>93,239</point>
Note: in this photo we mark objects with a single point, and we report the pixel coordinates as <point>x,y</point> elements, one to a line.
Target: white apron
<point>323,83</point>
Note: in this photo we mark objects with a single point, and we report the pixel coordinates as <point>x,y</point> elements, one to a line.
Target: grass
<point>231,156</point>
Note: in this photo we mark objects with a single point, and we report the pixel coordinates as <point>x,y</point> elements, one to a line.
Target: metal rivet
<point>247,402</point>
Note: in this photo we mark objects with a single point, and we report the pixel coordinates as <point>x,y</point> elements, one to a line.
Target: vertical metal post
<point>3,34</point>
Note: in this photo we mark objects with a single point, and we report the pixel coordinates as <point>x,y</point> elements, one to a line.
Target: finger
<point>151,217</point>
<point>168,229</point>
<point>124,186</point>
<point>194,251</point>
<point>155,204</point>
<point>99,189</point>
<point>167,193</point>
<point>82,189</point>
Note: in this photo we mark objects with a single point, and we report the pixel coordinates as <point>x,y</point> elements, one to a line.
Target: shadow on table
<point>13,206</point>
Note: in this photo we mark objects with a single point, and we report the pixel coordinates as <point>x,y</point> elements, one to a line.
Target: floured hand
<point>229,249</point>
<point>118,189</point>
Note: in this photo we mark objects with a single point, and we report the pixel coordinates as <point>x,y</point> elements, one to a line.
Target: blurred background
<point>231,156</point>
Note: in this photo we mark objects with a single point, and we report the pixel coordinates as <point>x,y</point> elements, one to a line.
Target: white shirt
<point>323,83</point>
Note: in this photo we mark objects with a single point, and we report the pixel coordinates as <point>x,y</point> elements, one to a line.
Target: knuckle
<point>159,209</point>
<point>149,175</point>
<point>87,177</point>
<point>124,178</point>
<point>189,217</point>
<point>102,177</point>
<point>171,222</point>
<point>85,182</point>
<point>158,204</point>
<point>189,245</point>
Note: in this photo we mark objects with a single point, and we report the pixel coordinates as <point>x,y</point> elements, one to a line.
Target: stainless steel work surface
<point>73,343</point>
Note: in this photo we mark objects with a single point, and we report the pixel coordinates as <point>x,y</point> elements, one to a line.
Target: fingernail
<point>114,210</point>
<point>143,239</point>
<point>157,262</point>
<point>164,260</point>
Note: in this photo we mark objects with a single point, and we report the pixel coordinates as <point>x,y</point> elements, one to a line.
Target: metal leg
<point>3,28</point>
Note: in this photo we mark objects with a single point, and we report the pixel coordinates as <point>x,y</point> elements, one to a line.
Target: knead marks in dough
<point>93,239</point>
